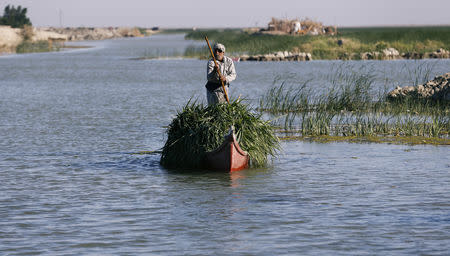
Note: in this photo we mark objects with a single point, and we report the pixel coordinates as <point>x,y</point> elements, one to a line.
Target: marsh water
<point>71,183</point>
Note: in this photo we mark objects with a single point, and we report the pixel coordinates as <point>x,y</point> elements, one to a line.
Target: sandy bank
<point>82,33</point>
<point>10,38</point>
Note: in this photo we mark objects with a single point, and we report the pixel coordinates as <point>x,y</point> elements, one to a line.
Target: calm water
<point>71,185</point>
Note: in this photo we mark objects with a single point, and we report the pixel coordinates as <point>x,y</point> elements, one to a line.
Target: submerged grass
<point>323,122</point>
<point>198,129</point>
<point>411,140</point>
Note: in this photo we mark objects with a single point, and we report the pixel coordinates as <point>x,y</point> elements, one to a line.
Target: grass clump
<point>39,46</point>
<point>198,129</point>
<point>285,99</point>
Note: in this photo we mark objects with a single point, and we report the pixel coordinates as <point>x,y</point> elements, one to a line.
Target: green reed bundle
<point>197,129</point>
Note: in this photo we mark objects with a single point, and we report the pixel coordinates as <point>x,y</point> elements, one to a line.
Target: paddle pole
<point>218,70</point>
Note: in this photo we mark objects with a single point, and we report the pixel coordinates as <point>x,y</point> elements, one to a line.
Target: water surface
<point>70,183</point>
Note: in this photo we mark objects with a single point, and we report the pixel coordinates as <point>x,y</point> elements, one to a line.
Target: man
<point>214,90</point>
<point>297,27</point>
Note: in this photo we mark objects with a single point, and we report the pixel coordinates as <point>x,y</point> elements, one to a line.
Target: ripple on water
<point>71,184</point>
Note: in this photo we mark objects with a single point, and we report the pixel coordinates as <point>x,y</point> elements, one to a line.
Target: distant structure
<point>298,27</point>
<point>60,18</point>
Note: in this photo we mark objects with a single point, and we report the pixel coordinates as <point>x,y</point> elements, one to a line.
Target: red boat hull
<point>229,157</point>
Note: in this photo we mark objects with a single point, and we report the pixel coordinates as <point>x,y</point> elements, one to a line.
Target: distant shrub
<point>27,47</point>
<point>27,32</point>
<point>15,17</point>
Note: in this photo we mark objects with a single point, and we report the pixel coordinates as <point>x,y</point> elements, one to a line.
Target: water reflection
<point>235,178</point>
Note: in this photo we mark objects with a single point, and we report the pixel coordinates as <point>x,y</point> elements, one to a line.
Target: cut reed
<point>198,129</point>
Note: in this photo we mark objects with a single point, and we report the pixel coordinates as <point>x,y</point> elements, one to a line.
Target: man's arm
<point>231,72</point>
<point>211,74</point>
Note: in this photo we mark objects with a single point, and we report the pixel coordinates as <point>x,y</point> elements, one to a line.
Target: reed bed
<point>238,42</point>
<point>197,51</point>
<point>348,91</point>
<point>285,99</point>
<point>198,129</point>
<point>409,36</point>
<point>367,124</point>
<point>354,41</point>
<point>351,107</point>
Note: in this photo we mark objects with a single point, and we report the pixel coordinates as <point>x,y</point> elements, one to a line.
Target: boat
<point>236,59</point>
<point>228,157</point>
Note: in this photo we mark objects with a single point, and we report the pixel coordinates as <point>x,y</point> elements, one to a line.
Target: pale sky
<point>231,13</point>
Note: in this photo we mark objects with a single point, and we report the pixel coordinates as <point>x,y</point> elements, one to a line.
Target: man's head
<point>219,51</point>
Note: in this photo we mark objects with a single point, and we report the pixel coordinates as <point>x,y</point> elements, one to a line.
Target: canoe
<point>228,157</point>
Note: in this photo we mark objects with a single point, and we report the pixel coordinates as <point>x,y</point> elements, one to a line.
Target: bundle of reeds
<point>284,25</point>
<point>287,25</point>
<point>309,25</point>
<point>198,129</point>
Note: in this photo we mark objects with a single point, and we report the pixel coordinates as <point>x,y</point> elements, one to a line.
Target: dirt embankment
<point>10,38</point>
<point>82,33</point>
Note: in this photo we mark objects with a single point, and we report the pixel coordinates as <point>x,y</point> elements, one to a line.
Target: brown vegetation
<point>306,26</point>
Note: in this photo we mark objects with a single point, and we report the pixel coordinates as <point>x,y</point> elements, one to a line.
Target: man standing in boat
<point>214,91</point>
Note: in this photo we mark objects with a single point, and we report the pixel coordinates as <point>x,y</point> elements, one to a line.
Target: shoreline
<point>337,47</point>
<point>387,54</point>
<point>47,39</point>
<point>385,43</point>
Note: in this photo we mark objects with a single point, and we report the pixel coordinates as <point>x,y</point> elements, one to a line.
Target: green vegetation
<point>398,34</point>
<point>196,51</point>
<point>411,140</point>
<point>238,42</point>
<point>198,129</point>
<point>176,31</point>
<point>352,41</point>
<point>352,108</point>
<point>15,17</point>
<point>29,47</point>
<point>143,31</point>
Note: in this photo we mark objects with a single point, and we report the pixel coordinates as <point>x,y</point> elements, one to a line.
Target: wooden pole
<point>218,70</point>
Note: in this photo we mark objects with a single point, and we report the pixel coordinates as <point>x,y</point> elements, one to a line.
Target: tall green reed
<point>350,107</point>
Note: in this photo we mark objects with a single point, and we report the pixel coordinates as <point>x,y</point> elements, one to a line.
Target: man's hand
<point>222,77</point>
